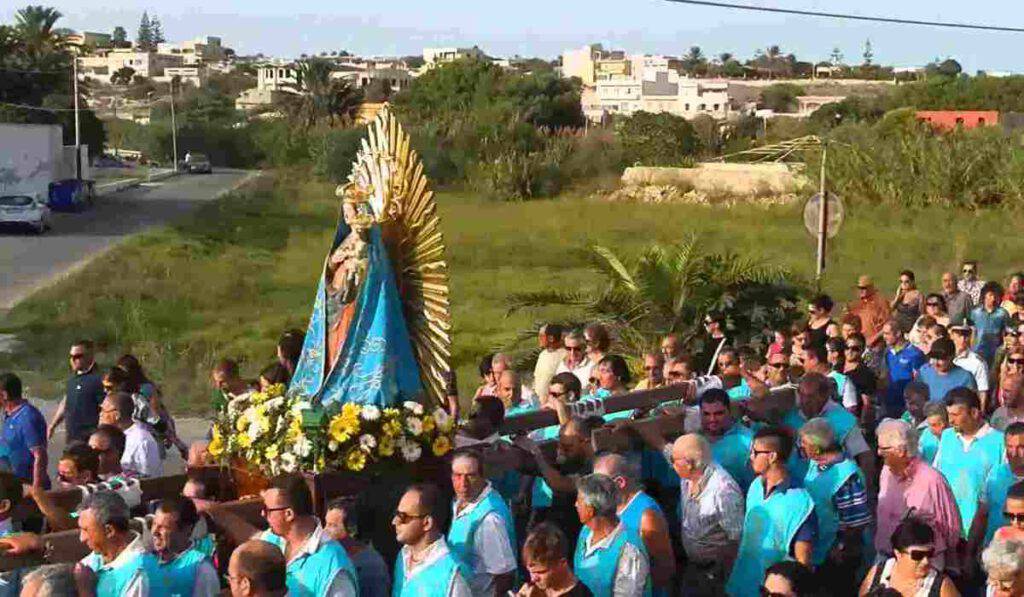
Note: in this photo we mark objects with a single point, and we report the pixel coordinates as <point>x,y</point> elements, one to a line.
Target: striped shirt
<point>851,502</point>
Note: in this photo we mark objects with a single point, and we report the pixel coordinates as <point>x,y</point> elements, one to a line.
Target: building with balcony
<point>276,77</point>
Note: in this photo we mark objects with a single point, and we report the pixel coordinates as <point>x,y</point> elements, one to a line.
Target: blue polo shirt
<point>23,430</point>
<point>83,394</point>
<point>901,365</point>
<point>988,330</point>
<point>940,385</point>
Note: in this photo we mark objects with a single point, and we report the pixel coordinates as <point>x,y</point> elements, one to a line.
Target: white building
<point>809,104</point>
<point>196,51</point>
<point>434,56</point>
<point>195,76</point>
<point>105,63</point>
<point>396,79</point>
<point>657,91</point>
<point>276,77</point>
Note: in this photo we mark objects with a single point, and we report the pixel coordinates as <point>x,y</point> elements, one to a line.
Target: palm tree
<point>671,289</point>
<point>318,96</point>
<point>723,59</point>
<point>772,54</point>
<point>693,59</point>
<point>34,25</point>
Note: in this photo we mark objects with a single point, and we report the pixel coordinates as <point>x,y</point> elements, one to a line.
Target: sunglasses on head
<point>919,554</point>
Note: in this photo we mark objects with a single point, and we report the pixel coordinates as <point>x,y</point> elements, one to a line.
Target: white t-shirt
<point>141,452</point>
<point>975,366</point>
<point>547,364</point>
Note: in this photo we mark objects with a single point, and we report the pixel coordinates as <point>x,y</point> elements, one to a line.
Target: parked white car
<point>24,210</point>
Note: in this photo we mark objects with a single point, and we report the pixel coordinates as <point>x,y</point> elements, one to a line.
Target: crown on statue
<point>351,194</point>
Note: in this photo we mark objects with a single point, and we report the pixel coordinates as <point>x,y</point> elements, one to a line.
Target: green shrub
<point>334,151</point>
<point>661,139</point>
<point>781,97</point>
<point>517,175</point>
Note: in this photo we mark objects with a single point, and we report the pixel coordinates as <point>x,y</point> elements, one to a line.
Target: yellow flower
<point>392,428</point>
<point>243,439</point>
<point>355,460</point>
<point>216,447</point>
<point>386,446</point>
<point>442,445</point>
<point>271,452</point>
<point>241,423</point>
<point>428,424</point>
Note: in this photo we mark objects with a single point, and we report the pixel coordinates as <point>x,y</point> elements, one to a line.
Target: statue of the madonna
<point>379,329</point>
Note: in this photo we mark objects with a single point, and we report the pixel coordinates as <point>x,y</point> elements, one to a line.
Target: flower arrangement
<point>264,430</point>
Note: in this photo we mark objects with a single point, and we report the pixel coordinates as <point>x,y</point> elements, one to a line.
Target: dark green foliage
<point>781,97</point>
<point>656,139</point>
<point>333,152</point>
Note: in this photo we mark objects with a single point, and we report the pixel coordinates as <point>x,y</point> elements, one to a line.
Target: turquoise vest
<point>205,545</point>
<point>432,581</point>
<point>113,581</point>
<point>842,423</point>
<point>176,578</point>
<point>541,492</point>
<point>966,471</point>
<point>998,485</point>
<point>739,393</point>
<point>768,530</point>
<point>732,452</point>
<point>311,575</point>
<point>632,515</point>
<point>927,445</point>
<point>462,533</point>
<point>823,485</point>
<point>597,570</point>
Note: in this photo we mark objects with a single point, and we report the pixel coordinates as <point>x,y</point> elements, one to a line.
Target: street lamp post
<point>174,130</point>
<point>78,132</point>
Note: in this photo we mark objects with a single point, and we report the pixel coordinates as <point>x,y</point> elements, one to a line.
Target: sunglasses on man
<point>1014,517</point>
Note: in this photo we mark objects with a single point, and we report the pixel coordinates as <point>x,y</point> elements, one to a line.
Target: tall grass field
<point>227,281</point>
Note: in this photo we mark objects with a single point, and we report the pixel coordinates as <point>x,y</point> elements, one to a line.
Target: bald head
<point>692,447</point>
<point>625,472</point>
<point>257,568</point>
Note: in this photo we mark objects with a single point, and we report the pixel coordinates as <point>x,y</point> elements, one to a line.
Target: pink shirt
<point>924,490</point>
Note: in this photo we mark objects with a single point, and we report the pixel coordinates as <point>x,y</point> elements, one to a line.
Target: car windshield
<point>198,156</point>
<point>15,201</point>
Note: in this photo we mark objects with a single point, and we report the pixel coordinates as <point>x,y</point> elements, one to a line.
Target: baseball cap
<point>942,348</point>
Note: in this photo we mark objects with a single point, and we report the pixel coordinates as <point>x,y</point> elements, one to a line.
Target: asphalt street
<point>28,262</point>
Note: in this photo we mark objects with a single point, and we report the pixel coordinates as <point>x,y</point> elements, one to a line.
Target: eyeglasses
<point>854,347</point>
<point>863,288</point>
<point>1015,361</point>
<point>968,270</point>
<point>676,374</point>
<point>405,517</point>
<point>933,304</point>
<point>556,394</point>
<point>757,453</point>
<point>593,380</point>
<point>886,448</point>
<point>574,348</point>
<point>77,355</point>
<point>766,593</point>
<point>1014,517</point>
<point>651,368</point>
<point>264,511</point>
<point>1002,585</point>
<point>919,554</point>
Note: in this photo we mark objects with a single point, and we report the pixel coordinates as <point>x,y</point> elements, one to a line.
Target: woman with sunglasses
<point>907,304</point>
<point>598,342</point>
<point>820,317</point>
<point>909,571</point>
<point>935,307</point>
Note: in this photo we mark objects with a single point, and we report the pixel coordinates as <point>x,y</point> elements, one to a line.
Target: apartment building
<point>434,56</point>
<point>197,51</point>
<point>104,63</point>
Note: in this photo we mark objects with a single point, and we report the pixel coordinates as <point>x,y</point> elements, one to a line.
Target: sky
<point>545,27</point>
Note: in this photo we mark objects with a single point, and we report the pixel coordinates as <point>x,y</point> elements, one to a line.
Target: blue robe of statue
<point>375,363</point>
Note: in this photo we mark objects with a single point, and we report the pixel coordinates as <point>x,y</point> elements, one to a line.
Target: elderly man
<point>780,521</point>
<point>654,371</point>
<point>116,556</point>
<point>340,524</point>
<point>425,566</point>
<point>871,307</point>
<point>1011,388</point>
<point>968,451</point>
<point>610,559</point>
<point>908,485</point>
<point>671,347</point>
<point>997,486</point>
<point>967,359</point>
<point>814,400</point>
<point>940,374</point>
<point>711,516</point>
<point>482,533</point>
<point>840,502</point>
<point>175,567</point>
<point>141,451</point>
<point>52,581</point>
<point>257,569</point>
<point>643,516</point>
<point>902,361</point>
<point>576,361</point>
<point>516,397</point>
<point>958,302</point>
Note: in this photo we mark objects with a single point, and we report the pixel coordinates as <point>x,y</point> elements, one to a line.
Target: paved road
<point>28,262</point>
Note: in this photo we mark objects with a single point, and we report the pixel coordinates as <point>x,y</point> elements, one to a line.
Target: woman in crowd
<point>935,307</point>
<point>800,334</point>
<point>598,342</point>
<point>820,318</point>
<point>487,386</point>
<point>610,378</point>
<point>289,349</point>
<point>780,344</point>
<point>906,305</point>
<point>1004,564</point>
<point>909,571</point>
<point>273,374</point>
<point>149,406</point>
<point>789,578</point>
<point>919,336</point>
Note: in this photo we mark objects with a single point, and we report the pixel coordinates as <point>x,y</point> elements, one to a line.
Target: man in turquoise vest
<point>780,522</point>
<point>730,441</point>
<point>1004,476</point>
<point>840,503</point>
<point>482,533</point>
<point>968,452</point>
<point>116,556</point>
<point>814,398</point>
<point>174,567</point>
<point>610,559</point>
<point>257,569</point>
<point>425,566</point>
<point>639,513</point>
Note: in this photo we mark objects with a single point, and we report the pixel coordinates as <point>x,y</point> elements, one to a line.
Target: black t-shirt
<point>863,379</point>
<point>83,395</point>
<point>580,590</point>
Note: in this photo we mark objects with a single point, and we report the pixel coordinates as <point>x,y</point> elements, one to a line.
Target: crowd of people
<point>871,449</point>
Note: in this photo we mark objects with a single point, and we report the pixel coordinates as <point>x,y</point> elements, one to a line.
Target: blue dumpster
<point>70,194</point>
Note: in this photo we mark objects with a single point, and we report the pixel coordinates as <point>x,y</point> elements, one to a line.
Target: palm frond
<point>542,298</point>
<point>607,262</point>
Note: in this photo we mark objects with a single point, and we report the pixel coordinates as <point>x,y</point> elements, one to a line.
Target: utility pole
<point>822,213</point>
<point>78,133</point>
<point>174,130</point>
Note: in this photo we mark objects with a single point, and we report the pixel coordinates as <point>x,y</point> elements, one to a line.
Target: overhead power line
<point>836,15</point>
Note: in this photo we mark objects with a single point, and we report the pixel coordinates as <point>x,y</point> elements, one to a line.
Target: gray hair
<point>696,449</point>
<point>933,409</point>
<point>576,335</point>
<point>904,435</point>
<point>1003,559</point>
<point>819,432</point>
<point>108,507</point>
<point>501,358</point>
<point>55,580</point>
<point>599,492</point>
<point>621,466</point>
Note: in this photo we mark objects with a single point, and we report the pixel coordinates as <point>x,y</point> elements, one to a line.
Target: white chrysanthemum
<point>332,446</point>
<point>442,418</point>
<point>274,403</point>
<point>289,463</point>
<point>367,442</point>
<point>370,413</point>
<point>414,425</point>
<point>303,447</point>
<point>254,431</point>
<point>415,407</point>
<point>411,451</point>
